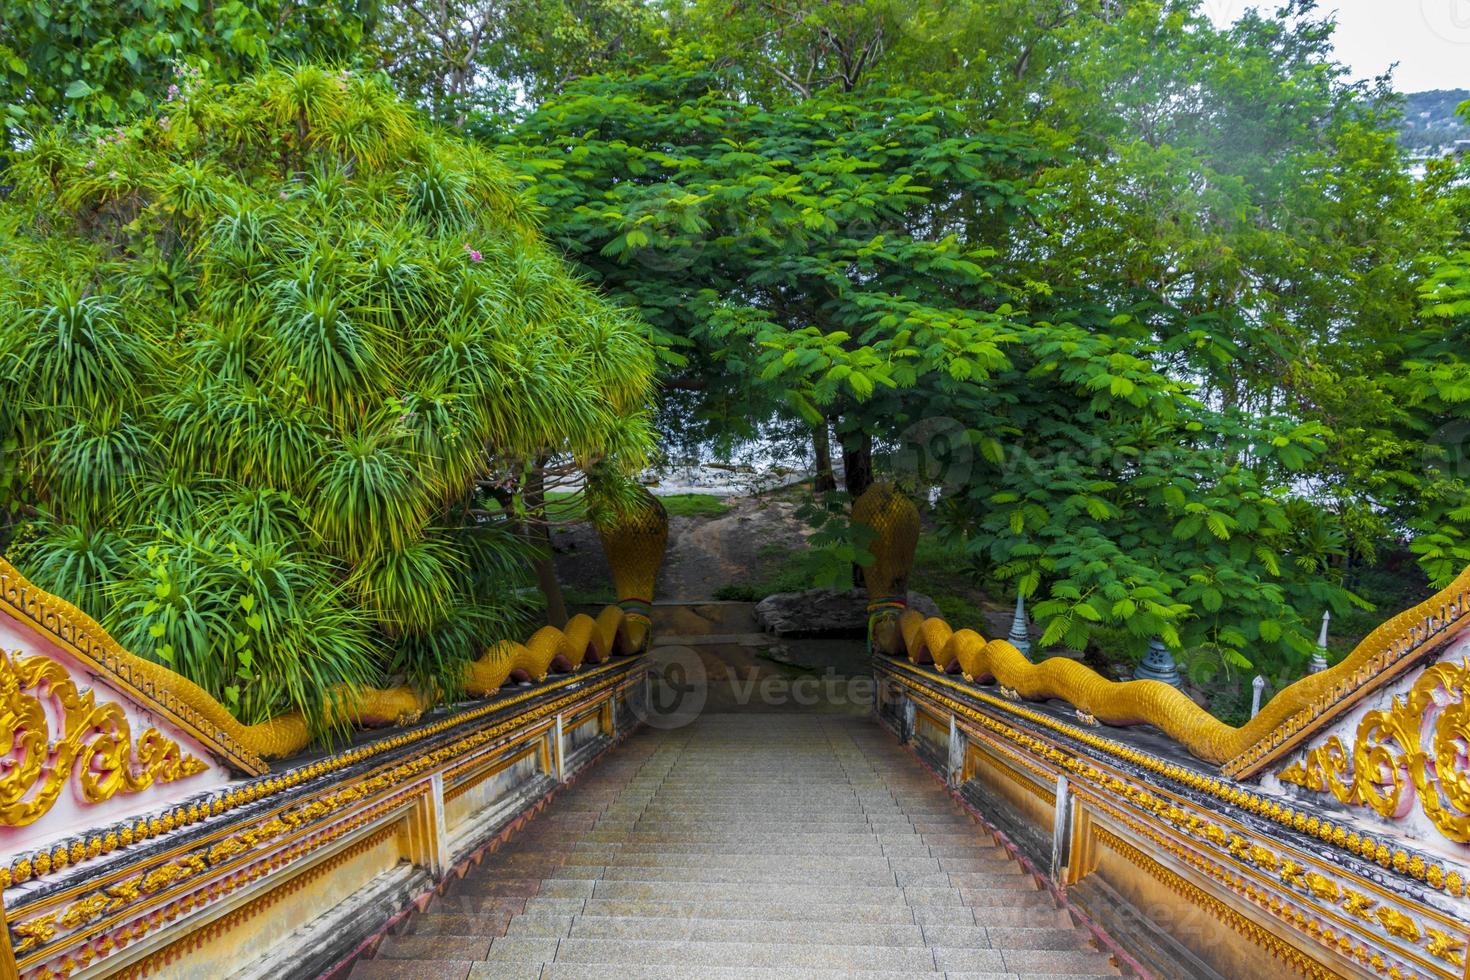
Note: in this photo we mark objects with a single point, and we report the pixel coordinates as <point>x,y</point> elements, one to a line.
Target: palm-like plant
<point>260,356</point>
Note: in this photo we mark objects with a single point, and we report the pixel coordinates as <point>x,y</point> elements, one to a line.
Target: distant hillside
<point>1430,124</point>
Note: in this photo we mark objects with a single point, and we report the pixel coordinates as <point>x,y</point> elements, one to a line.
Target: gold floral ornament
<point>1413,750</point>
<point>94,746</point>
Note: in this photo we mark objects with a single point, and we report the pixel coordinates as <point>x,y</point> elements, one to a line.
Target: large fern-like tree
<point>267,356</point>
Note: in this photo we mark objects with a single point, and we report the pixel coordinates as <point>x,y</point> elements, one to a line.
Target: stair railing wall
<point>143,832</point>
<point>1328,837</point>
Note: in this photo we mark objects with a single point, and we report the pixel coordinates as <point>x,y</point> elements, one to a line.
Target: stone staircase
<point>746,847</point>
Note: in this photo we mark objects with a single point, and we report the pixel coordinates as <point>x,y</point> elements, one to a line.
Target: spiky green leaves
<point>262,351</point>
<point>369,499</point>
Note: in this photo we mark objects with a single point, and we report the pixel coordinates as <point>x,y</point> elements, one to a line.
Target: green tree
<point>268,354</point>
<point>830,257</point>
<point>879,261</point>
<point>107,62</point>
<point>464,57</point>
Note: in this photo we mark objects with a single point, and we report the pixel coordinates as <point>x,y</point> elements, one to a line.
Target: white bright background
<point>1428,39</point>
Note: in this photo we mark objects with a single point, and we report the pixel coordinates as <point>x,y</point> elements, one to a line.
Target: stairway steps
<point>656,952</point>
<point>419,947</point>
<point>779,847</point>
<point>603,971</point>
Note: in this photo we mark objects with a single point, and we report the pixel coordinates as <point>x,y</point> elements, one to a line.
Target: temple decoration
<point>634,548</point>
<point>1318,663</point>
<point>1288,720</point>
<point>1157,665</point>
<point>154,688</point>
<point>1409,754</point>
<point>894,521</point>
<point>1020,635</point>
<point>55,734</point>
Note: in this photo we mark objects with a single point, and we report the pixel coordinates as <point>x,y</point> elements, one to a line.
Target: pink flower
<point>173,93</point>
<point>474,254</point>
<point>163,122</point>
<point>89,164</point>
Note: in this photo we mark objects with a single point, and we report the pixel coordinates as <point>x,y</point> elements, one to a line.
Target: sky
<point>1429,39</point>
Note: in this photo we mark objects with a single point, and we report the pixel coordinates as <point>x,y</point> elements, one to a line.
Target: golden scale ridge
<point>1241,751</point>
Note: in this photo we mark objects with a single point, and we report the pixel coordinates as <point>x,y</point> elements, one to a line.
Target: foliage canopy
<point>266,351</point>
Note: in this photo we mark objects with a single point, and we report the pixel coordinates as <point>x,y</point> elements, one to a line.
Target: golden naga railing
<point>634,550</point>
<point>1241,751</point>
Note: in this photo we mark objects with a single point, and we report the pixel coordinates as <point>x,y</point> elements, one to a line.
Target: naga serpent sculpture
<point>896,631</point>
<point>634,549</point>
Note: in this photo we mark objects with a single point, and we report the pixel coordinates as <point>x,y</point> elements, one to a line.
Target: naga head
<point>633,540</point>
<point>894,520</point>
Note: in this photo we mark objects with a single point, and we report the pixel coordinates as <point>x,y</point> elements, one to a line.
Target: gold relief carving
<point>1272,944</point>
<point>1295,917</point>
<point>78,633</point>
<point>1254,854</point>
<point>1441,945</point>
<point>95,744</point>
<point>1395,923</point>
<point>1359,905</point>
<point>127,892</point>
<point>1323,887</point>
<point>34,932</point>
<point>1389,767</point>
<point>41,863</point>
<point>1263,858</point>
<point>214,930</point>
<point>1449,948</point>
<point>119,896</point>
<point>1399,861</point>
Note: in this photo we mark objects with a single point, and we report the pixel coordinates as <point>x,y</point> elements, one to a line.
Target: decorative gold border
<point>1399,861</point>
<point>1378,659</point>
<point>43,862</point>
<point>1262,864</point>
<point>74,631</point>
<point>204,935</point>
<point>221,850</point>
<point>1257,934</point>
<point>1440,937</point>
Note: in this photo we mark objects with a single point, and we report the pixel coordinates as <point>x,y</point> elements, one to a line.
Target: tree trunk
<point>539,535</point>
<point>857,463</point>
<point>826,480</point>
<point>857,476</point>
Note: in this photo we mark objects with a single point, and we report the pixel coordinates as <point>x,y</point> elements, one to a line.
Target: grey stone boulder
<point>824,613</point>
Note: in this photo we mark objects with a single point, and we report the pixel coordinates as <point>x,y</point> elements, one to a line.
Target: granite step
<point>596,971</point>
<point>747,848</point>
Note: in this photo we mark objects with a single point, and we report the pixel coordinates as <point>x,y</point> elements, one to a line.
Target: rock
<point>822,612</point>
